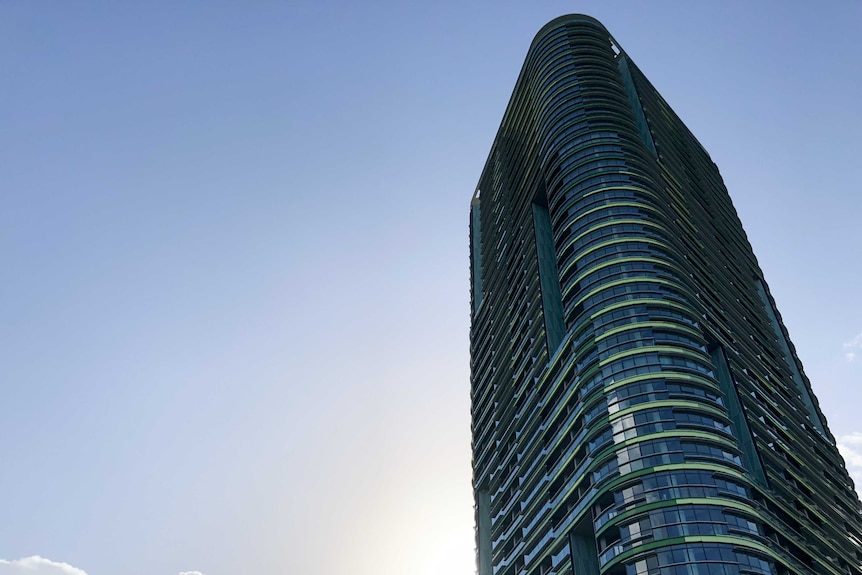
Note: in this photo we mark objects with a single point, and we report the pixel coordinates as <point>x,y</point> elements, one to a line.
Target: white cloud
<point>191,573</point>
<point>850,447</point>
<point>36,565</point>
<point>853,347</point>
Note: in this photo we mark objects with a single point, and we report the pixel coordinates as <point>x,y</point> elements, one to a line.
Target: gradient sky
<point>234,304</point>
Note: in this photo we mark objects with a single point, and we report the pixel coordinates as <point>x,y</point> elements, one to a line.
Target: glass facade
<point>637,406</point>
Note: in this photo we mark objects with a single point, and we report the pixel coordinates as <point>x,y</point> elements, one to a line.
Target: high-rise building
<point>637,405</point>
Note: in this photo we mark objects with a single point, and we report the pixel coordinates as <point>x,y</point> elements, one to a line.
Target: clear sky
<point>234,304</point>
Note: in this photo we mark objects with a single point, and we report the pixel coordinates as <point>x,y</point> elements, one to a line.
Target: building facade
<point>637,405</point>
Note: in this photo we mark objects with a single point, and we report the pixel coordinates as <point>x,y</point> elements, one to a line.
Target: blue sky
<point>234,307</point>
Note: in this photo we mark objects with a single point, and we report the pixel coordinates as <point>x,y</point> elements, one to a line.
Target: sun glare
<point>452,554</point>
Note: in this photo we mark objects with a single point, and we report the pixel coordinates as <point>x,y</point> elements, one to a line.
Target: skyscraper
<point>637,405</point>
